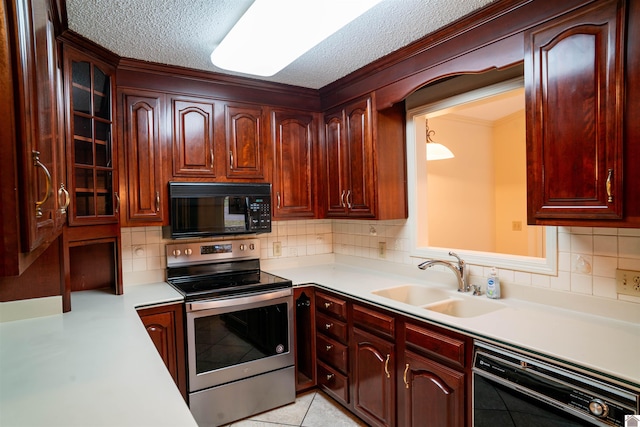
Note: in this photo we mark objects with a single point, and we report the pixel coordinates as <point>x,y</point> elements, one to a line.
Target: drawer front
<point>332,352</point>
<point>374,321</point>
<point>332,327</point>
<point>333,382</point>
<point>435,344</point>
<point>332,305</point>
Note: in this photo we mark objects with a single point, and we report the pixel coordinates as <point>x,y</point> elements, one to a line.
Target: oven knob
<point>252,247</point>
<point>598,408</point>
<point>188,252</point>
<point>242,247</point>
<point>176,253</point>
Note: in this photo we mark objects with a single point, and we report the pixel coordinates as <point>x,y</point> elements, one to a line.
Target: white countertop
<point>93,366</point>
<point>605,346</point>
<point>96,365</point>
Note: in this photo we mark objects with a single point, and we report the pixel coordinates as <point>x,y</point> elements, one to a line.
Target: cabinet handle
<point>349,199</point>
<point>327,304</point>
<point>329,347</point>
<point>330,377</point>
<point>212,158</point>
<point>278,198</point>
<point>406,370</point>
<point>342,199</point>
<point>231,159</point>
<point>67,199</point>
<point>386,366</point>
<point>328,325</point>
<point>157,201</point>
<point>117,196</point>
<point>38,163</point>
<point>609,185</point>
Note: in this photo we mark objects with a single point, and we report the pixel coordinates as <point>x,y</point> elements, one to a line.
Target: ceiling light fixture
<point>274,33</point>
<point>436,151</point>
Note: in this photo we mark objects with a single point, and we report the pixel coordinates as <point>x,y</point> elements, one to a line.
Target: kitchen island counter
<point>93,366</point>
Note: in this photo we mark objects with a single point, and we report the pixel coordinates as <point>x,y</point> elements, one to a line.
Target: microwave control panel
<point>259,214</point>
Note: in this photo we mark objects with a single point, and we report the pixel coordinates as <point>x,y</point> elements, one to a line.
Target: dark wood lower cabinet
<point>374,379</point>
<point>386,368</point>
<point>433,394</point>
<point>165,327</point>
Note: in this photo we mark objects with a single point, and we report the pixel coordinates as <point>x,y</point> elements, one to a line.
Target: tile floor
<point>311,409</point>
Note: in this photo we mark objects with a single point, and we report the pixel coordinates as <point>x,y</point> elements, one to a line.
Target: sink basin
<point>414,294</point>
<point>465,307</point>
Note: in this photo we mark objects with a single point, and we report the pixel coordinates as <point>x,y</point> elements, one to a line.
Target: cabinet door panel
<point>574,71</point>
<point>336,165</point>
<point>359,139</point>
<point>293,140</point>
<point>143,154</point>
<point>193,153</point>
<point>165,328</point>
<point>433,393</point>
<point>244,142</point>
<point>373,379</point>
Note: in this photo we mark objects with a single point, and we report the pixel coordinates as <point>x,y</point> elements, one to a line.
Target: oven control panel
<point>179,254</point>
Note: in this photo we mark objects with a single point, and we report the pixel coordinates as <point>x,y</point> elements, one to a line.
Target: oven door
<point>234,338</point>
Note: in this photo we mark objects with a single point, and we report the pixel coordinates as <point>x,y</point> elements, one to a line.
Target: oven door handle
<point>237,301</point>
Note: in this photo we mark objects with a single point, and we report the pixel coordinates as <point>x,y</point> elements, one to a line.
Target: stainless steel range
<point>239,329</point>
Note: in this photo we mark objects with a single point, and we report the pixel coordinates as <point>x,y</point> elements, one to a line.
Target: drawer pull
<point>329,347</point>
<point>327,304</point>
<point>328,325</point>
<point>406,370</point>
<point>386,366</point>
<point>330,377</point>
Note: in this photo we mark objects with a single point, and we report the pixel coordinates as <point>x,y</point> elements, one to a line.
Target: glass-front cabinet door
<point>91,151</point>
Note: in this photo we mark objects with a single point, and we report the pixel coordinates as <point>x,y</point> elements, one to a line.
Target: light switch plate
<point>628,282</point>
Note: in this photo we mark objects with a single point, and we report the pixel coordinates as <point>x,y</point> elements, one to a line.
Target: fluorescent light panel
<point>274,33</point>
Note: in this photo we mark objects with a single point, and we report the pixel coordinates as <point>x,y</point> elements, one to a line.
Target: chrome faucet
<point>459,270</point>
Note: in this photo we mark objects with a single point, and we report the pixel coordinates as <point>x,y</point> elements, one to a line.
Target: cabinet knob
<point>328,325</point>
<point>329,347</point>
<point>327,304</point>
<point>330,377</point>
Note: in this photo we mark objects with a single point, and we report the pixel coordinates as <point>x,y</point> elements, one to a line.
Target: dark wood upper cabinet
<point>244,141</point>
<point>91,150</point>
<point>575,82</point>
<point>143,191</point>
<point>365,164</point>
<point>294,139</point>
<point>32,178</point>
<point>193,144</point>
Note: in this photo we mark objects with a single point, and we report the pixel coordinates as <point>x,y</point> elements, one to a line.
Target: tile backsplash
<point>587,257</point>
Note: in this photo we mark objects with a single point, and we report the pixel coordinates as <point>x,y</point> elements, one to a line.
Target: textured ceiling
<point>185,32</point>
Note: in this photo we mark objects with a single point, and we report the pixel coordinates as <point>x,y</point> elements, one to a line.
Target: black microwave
<point>202,209</point>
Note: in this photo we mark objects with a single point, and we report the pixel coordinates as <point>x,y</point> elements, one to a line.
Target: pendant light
<point>435,151</point>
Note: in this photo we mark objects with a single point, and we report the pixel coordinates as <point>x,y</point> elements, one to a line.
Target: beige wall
<point>465,181</point>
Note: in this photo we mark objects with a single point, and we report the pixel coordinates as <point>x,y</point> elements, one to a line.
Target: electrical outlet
<point>277,249</point>
<point>628,282</point>
<point>382,249</point>
<point>516,225</point>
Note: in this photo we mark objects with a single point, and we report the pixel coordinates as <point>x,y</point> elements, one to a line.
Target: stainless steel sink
<point>471,307</point>
<point>414,294</point>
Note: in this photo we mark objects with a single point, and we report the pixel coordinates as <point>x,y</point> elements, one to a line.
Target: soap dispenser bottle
<point>493,285</point>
